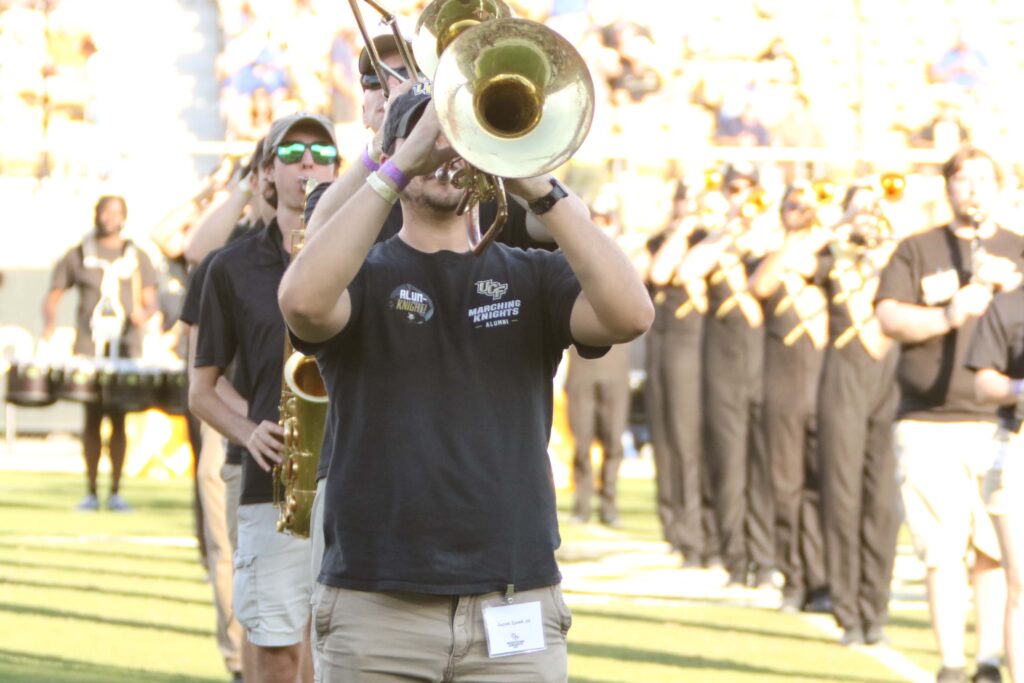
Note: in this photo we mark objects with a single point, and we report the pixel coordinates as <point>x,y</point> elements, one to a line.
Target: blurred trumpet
<point>756,204</point>
<point>824,191</point>
<point>713,180</point>
<point>893,186</point>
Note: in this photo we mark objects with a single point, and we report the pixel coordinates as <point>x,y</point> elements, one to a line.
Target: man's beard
<point>439,204</point>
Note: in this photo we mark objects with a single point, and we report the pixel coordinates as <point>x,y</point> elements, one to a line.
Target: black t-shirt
<point>514,234</point>
<point>240,321</point>
<point>83,267</point>
<point>190,316</point>
<point>998,344</point>
<point>441,398</point>
<point>927,269</point>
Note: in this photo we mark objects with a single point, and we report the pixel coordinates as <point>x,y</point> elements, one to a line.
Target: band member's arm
<point>995,388</point>
<point>213,226</point>
<point>913,324</point>
<point>353,179</point>
<point>313,295</point>
<point>668,258</point>
<point>225,389</point>
<point>798,253</point>
<point>614,306</point>
<point>702,257</point>
<point>59,282</point>
<point>263,441</point>
<point>50,305</point>
<point>169,233</point>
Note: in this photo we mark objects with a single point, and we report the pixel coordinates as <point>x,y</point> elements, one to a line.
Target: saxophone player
<point>239,320</point>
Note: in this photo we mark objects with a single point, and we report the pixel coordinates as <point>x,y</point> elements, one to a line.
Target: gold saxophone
<point>303,414</point>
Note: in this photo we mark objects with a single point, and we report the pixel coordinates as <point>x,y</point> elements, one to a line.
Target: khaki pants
<point>369,637</point>
<point>316,532</point>
<point>232,476</point>
<point>219,546</point>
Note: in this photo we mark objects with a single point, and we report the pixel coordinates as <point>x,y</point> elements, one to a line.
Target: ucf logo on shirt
<point>498,313</point>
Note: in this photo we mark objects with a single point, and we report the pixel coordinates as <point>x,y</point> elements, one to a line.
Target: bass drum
<point>30,385</point>
<point>173,396</point>
<point>78,380</point>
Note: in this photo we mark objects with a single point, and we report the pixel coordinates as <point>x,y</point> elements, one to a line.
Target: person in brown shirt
<point>116,285</point>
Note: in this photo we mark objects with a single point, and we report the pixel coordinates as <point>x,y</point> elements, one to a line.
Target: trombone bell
<point>514,98</point>
<point>442,21</point>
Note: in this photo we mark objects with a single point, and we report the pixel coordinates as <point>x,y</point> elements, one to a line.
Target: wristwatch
<point>543,205</point>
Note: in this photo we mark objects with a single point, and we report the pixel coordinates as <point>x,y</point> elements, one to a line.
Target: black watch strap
<point>544,204</point>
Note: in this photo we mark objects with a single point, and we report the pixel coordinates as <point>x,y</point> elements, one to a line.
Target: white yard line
<point>888,657</point>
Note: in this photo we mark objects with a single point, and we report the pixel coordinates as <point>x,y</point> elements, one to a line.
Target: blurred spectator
<point>962,66</point>
<point>738,124</point>
<point>342,80</point>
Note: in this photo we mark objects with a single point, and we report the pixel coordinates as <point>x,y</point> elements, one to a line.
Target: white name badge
<point>939,288</point>
<point>514,629</point>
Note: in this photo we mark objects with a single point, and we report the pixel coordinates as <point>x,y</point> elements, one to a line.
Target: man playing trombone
<point>439,509</point>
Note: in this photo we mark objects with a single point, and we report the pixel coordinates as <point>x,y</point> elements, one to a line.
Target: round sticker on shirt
<point>412,304</point>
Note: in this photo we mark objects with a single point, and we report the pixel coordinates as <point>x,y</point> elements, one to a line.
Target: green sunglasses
<point>292,152</point>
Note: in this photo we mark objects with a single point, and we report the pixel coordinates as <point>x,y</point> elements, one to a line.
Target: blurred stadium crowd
<point>826,89</point>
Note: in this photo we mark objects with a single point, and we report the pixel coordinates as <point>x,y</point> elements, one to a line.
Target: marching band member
<point>788,282</point>
<point>997,356</point>
<point>856,407</point>
<point>935,287</point>
<point>240,321</point>
<point>733,381</point>
<point>439,509</point>
<point>116,285</point>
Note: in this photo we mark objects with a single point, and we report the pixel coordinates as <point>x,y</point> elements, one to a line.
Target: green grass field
<point>106,598</point>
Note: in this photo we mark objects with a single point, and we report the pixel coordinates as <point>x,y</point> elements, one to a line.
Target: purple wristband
<point>369,163</point>
<point>395,174</point>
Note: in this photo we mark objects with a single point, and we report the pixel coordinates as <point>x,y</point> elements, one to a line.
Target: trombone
<point>513,97</point>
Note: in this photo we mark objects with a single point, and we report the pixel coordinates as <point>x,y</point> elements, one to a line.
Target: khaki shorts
<point>1004,482</point>
<point>940,469</point>
<point>382,637</point>
<point>232,476</point>
<point>271,586</point>
<point>316,532</point>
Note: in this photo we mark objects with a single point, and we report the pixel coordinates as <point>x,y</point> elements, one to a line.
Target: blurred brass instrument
<point>824,191</point>
<point>303,413</point>
<point>514,98</point>
<point>893,186</point>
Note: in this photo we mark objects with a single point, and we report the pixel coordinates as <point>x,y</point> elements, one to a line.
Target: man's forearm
<point>994,388</point>
<point>314,283</point>
<point>208,406</point>
<point>212,228</point>
<point>911,324</point>
<point>606,275</point>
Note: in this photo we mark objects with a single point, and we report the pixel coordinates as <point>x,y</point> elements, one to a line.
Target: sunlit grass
<point>107,598</point>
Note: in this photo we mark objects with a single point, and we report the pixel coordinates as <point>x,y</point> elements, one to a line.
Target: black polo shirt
<point>190,316</point>
<point>998,344</point>
<point>240,321</point>
<point>927,269</point>
<point>440,481</point>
